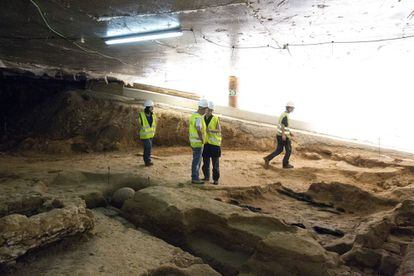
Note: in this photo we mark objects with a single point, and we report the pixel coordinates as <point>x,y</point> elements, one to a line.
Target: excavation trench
<point>234,230</point>
<point>229,244</point>
<point>209,241</point>
<point>330,211</point>
<point>231,239</point>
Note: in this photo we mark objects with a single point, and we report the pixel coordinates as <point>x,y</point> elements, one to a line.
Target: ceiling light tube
<point>176,32</point>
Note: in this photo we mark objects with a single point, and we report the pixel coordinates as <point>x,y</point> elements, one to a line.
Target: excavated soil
<point>353,203</point>
<point>323,196</point>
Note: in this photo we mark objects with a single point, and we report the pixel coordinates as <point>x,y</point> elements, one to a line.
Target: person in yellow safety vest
<point>283,137</point>
<point>147,126</point>
<point>197,135</point>
<point>212,148</point>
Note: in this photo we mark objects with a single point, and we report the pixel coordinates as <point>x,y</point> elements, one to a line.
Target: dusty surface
<point>337,194</point>
<point>383,182</point>
<point>238,168</point>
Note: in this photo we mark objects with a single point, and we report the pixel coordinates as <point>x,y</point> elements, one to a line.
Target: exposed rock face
<point>116,248</point>
<point>233,240</point>
<point>84,121</point>
<point>19,233</point>
<point>381,239</point>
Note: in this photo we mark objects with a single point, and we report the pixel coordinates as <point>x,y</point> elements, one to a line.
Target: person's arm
<point>139,121</point>
<point>284,124</point>
<point>199,128</point>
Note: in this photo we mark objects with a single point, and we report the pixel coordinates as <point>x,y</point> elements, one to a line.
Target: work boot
<point>215,182</point>
<point>266,165</point>
<point>148,164</point>
<point>288,166</point>
<point>197,182</point>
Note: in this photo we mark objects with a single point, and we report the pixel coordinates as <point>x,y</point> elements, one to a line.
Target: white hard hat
<point>211,105</point>
<point>148,103</point>
<point>290,104</point>
<point>203,103</point>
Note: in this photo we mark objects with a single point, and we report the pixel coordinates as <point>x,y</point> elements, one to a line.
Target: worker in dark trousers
<point>283,138</point>
<point>147,126</point>
<point>197,136</point>
<point>212,148</point>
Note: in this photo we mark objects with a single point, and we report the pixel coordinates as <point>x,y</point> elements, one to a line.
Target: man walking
<point>147,124</point>
<point>283,137</point>
<point>197,135</point>
<point>212,148</point>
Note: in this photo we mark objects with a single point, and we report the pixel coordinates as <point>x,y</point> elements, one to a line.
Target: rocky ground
<point>75,198</point>
<point>343,205</point>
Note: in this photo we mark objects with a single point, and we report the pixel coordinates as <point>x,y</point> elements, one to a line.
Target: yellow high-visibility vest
<point>195,141</point>
<point>146,131</point>
<point>214,138</point>
<point>279,127</point>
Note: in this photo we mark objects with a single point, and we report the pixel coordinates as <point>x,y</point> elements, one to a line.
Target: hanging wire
<point>238,46</point>
<point>285,46</point>
<point>83,48</point>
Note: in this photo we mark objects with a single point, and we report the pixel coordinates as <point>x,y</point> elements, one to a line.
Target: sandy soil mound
<point>86,121</point>
<point>317,152</point>
<point>348,197</point>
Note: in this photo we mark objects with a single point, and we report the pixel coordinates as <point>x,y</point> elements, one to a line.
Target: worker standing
<point>147,127</point>
<point>197,135</point>
<point>283,137</point>
<point>212,148</point>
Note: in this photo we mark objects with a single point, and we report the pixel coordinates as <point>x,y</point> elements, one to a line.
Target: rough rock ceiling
<point>217,26</point>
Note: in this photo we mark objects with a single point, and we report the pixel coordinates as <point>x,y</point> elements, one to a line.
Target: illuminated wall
<point>356,91</point>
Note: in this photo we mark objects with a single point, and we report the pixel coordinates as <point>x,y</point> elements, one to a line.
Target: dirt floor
<point>244,182</point>
<point>65,150</point>
<point>239,168</point>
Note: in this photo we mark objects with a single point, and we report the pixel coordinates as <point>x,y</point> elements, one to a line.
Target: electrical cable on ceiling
<point>238,46</point>
<point>286,46</point>
<point>85,49</point>
<point>235,46</point>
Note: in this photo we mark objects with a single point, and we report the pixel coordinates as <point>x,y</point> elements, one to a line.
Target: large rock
<point>233,240</point>
<point>19,233</point>
<point>121,195</point>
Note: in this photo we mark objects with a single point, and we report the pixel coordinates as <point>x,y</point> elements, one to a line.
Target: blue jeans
<point>147,150</point>
<point>195,165</point>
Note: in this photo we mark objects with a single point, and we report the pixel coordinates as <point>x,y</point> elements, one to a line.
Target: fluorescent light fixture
<point>176,32</point>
